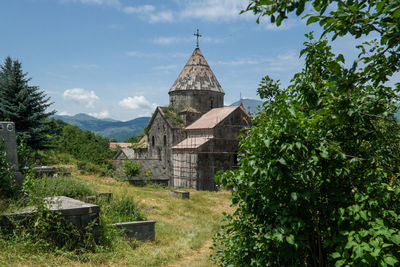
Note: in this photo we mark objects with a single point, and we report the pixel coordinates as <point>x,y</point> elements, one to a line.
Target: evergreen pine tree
<point>23,104</point>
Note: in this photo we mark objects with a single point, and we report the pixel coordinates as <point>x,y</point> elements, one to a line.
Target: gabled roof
<point>212,118</point>
<point>119,145</point>
<point>197,75</point>
<point>192,142</point>
<point>128,152</point>
<point>143,143</point>
<point>170,116</point>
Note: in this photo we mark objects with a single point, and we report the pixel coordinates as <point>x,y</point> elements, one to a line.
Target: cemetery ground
<point>184,230</point>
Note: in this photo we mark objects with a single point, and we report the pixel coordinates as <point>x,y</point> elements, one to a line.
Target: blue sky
<point>118,58</point>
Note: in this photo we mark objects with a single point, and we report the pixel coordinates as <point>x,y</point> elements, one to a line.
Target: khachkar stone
<point>9,142</point>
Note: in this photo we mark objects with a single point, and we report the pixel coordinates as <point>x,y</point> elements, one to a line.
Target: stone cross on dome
<point>197,36</point>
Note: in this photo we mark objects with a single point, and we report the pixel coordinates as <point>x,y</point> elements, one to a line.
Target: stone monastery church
<point>195,136</point>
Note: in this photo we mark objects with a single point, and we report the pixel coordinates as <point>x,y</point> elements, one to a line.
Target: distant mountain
<point>109,128</point>
<point>250,105</point>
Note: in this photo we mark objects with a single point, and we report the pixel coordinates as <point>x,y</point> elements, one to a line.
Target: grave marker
<point>7,136</point>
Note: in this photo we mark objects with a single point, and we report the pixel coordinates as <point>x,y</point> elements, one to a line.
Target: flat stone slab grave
<point>44,170</point>
<point>79,213</point>
<point>179,193</point>
<point>141,230</point>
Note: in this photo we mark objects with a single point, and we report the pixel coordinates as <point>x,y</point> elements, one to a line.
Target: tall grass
<point>122,209</point>
<point>60,186</point>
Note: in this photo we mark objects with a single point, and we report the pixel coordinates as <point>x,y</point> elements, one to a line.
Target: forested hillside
<point>108,128</point>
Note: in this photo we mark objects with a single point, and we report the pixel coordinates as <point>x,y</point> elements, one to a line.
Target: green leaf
<point>290,239</point>
<point>380,5</point>
<point>325,153</point>
<point>312,19</point>
<point>396,14</point>
<point>390,260</point>
<point>294,196</point>
<point>298,145</point>
<point>339,263</point>
<point>282,161</point>
<point>340,58</point>
<point>396,239</point>
<point>335,255</point>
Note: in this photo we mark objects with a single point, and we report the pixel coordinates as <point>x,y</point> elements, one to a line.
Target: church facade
<point>195,136</point>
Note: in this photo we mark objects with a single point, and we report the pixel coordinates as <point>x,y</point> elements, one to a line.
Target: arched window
<point>165,140</point>
<point>212,104</point>
<point>152,140</point>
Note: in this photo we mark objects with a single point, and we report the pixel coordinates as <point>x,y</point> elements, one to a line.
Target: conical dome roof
<point>197,75</point>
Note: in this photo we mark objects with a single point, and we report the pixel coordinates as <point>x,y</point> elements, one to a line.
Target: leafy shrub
<point>123,209</point>
<point>85,145</point>
<point>318,182</point>
<point>107,170</point>
<point>131,168</point>
<point>8,187</point>
<point>47,231</point>
<point>60,186</point>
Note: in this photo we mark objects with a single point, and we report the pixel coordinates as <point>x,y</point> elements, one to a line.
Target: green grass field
<point>184,231</point>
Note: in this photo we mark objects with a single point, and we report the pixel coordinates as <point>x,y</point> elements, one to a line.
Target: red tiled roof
<point>212,118</point>
<point>192,142</point>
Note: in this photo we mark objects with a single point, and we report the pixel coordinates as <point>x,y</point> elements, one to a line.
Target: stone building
<point>211,145</point>
<point>181,136</point>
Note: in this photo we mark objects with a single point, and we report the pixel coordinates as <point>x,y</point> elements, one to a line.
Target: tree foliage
<point>131,168</point>
<point>318,182</point>
<point>84,145</point>
<point>8,186</point>
<point>135,138</point>
<point>23,104</point>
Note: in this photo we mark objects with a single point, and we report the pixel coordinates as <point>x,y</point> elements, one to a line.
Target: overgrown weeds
<point>60,186</point>
<point>121,209</point>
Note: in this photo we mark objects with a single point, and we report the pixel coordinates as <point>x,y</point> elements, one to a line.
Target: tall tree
<point>319,178</point>
<point>23,104</point>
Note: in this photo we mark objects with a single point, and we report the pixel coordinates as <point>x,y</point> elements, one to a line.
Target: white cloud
<point>171,40</point>
<point>139,9</point>
<point>63,113</point>
<point>163,16</point>
<point>113,3</point>
<point>286,25</point>
<point>141,54</point>
<point>101,115</point>
<point>81,96</point>
<point>284,62</point>
<point>214,10</point>
<point>149,14</point>
<point>280,63</point>
<point>136,102</point>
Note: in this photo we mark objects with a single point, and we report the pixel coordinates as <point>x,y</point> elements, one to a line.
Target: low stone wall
<point>143,231</point>
<point>78,213</point>
<point>179,193</point>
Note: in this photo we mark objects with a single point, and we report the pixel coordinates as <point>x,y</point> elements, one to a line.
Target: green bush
<point>131,168</point>
<point>318,182</point>
<point>107,170</point>
<point>60,186</point>
<point>123,209</point>
<point>47,231</point>
<point>8,187</point>
<point>85,145</point>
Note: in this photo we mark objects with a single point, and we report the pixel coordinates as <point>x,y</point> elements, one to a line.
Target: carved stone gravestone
<point>8,138</point>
